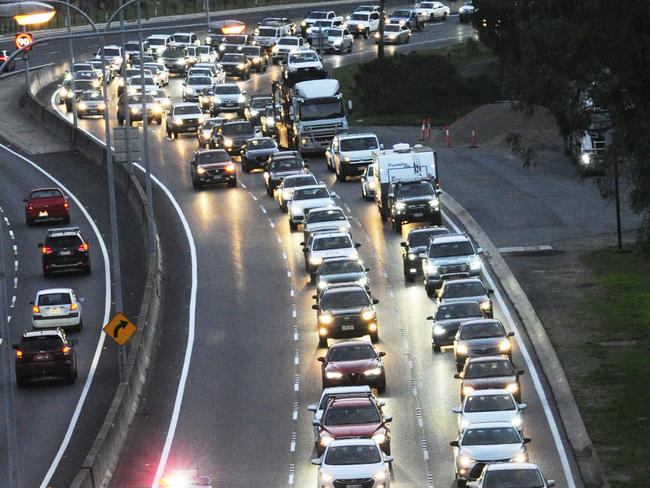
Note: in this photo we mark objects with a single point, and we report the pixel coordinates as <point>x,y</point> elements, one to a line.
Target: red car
<point>353,363</point>
<point>353,417</point>
<point>45,204</point>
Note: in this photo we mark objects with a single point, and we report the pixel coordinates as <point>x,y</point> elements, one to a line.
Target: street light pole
<point>207,13</point>
<point>68,21</point>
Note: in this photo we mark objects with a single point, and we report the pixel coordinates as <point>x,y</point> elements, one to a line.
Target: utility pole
<point>382,17</point>
<point>618,205</point>
<point>7,383</point>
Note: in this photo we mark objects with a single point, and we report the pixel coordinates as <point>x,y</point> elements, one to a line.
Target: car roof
<point>342,287</point>
<point>428,229</point>
<point>357,401</point>
<point>509,466</point>
<point>352,442</point>
<point>450,238</point>
<point>355,136</point>
<point>350,343</point>
<point>459,302</point>
<point>63,231</point>
<point>333,390</point>
<point>42,333</point>
<point>185,104</point>
<point>489,391</point>
<point>462,281</point>
<point>322,209</point>
<point>486,359</point>
<point>159,36</point>
<point>323,235</point>
<point>312,187</point>
<point>46,189</point>
<point>300,175</point>
<point>341,259</point>
<point>489,425</point>
<point>481,321</point>
<point>53,290</point>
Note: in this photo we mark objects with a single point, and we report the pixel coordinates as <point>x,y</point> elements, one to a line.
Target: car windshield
<point>299,181</point>
<point>237,129</point>
<point>46,194</point>
<point>63,242</point>
<point>311,193</point>
<point>303,57</point>
<point>351,352</point>
<point>240,40</point>
<point>370,171</point>
<point>136,80</point>
<point>227,89</point>
<point>458,311</point>
<point>92,96</point>
<point>344,299</point>
<point>333,32</point>
<point>363,17</point>
<point>359,144</point>
<point>40,343</point>
<point>392,28</point>
<point>422,238</point>
<point>54,299</point>
<point>323,108</point>
<point>199,80</point>
<point>156,41</point>
<point>204,49</point>
<point>267,32</point>
<point>340,267</point>
<point>232,58</point>
<point>132,45</point>
<point>401,13</point>
<point>152,68</point>
<point>173,52</point>
<point>182,38</point>
<point>489,403</point>
<point>212,123</point>
<point>138,99</point>
<point>112,52</point>
<point>323,23</point>
<point>287,165</point>
<point>191,50</point>
<point>325,216</point>
<point>482,330</point>
<point>419,190</point>
<point>450,249</point>
<point>81,75</point>
<point>510,478</point>
<point>329,243</point>
<point>459,290</point>
<point>491,436</point>
<point>194,72</point>
<point>81,67</point>
<point>489,369</point>
<point>288,41</point>
<point>212,157</point>
<point>251,50</point>
<point>361,414</point>
<point>348,455</point>
<point>188,110</point>
<point>261,144</point>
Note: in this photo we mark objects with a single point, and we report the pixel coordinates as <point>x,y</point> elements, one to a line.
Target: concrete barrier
<point>104,455</point>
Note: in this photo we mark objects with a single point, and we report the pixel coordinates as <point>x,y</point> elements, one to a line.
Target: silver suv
<point>450,256</point>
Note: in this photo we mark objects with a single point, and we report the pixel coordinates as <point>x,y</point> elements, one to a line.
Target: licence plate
<point>191,127</point>
<point>42,357</point>
<point>418,214</point>
<point>353,486</point>
<point>43,214</point>
<point>65,253</point>
<point>228,104</point>
<point>347,327</point>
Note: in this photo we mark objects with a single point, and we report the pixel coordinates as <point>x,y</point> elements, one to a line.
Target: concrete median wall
<point>104,455</point>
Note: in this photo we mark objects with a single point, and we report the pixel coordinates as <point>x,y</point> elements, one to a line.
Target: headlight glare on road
<point>513,388</point>
<point>504,346</point>
<point>400,206</point>
<point>520,458</point>
<point>516,421</point>
<point>325,319</point>
<point>437,330</point>
<point>372,372</point>
<point>465,461</point>
<point>334,375</point>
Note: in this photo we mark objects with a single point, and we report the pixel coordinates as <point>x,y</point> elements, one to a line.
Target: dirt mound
<point>494,122</point>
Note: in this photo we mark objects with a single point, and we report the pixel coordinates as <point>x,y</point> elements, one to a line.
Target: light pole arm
<point>76,9</point>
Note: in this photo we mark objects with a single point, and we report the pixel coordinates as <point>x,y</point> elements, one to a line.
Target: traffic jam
<point>271,134</point>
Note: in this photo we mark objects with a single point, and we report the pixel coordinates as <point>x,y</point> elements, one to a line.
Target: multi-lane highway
<point>237,368</point>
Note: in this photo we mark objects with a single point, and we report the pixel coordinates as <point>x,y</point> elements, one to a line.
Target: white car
<point>134,85</point>
<point>319,408</point>
<point>431,11</point>
<point>511,474</point>
<point>162,74</point>
<point>185,39</point>
<point>286,45</point>
<point>326,219</point>
<point>162,98</point>
<point>284,192</point>
<point>325,245</point>
<point>350,154</point>
<point>368,183</point>
<point>113,55</point>
<point>306,198</point>
<point>346,460</point>
<point>487,442</point>
<point>159,42</point>
<point>214,71</point>
<point>56,307</point>
<point>491,405</point>
<point>206,54</point>
<point>363,23</point>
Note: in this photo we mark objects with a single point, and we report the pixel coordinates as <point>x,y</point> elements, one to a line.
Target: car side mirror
<point>381,403</point>
<point>244,92</point>
<point>403,244</point>
<point>381,146</point>
<point>520,372</point>
<point>320,359</point>
<point>315,422</point>
<point>429,317</point>
<point>438,191</point>
<point>458,376</point>
<point>388,459</point>
<point>391,195</point>
<point>472,484</point>
<point>334,195</point>
<point>522,406</point>
<point>312,407</point>
<point>489,291</point>
<point>479,250</point>
<point>454,444</point>
<point>316,462</point>
<point>375,301</point>
<point>31,302</point>
<point>381,354</point>
<point>357,245</point>
<point>314,307</point>
<point>388,418</point>
<point>527,440</point>
<point>305,160</point>
<point>550,483</point>
<point>456,410</point>
<point>302,243</point>
<point>366,269</point>
<point>511,334</point>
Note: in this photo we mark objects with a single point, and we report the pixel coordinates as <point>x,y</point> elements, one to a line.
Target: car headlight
<point>372,372</point>
<point>241,99</point>
<point>135,110</point>
<point>380,475</point>
<point>322,284</point>
<point>227,141</point>
<point>180,62</point>
<point>363,281</point>
<point>379,437</point>
<point>178,122</point>
<point>216,100</point>
<point>334,375</point>
<point>361,26</point>
<point>95,84</point>
<point>377,35</point>
<point>120,82</point>
<point>412,257</point>
<point>240,66</point>
<point>468,390</point>
<point>520,458</point>
<point>63,91</point>
<point>157,109</point>
<point>101,106</point>
<point>400,206</point>
<point>202,119</point>
<point>303,24</point>
<point>315,261</point>
<point>517,421</point>
<point>504,346</point>
<point>438,330</point>
<point>325,439</point>
<point>230,167</point>
<point>254,112</point>
<point>222,48</point>
<point>486,306</point>
<point>465,461</point>
<point>513,388</point>
<point>82,106</point>
<point>432,268</point>
<point>200,170</point>
<point>368,314</point>
<point>392,36</point>
<point>189,90</point>
<point>338,42</point>
<point>275,49</point>
<point>206,133</point>
<point>208,39</point>
<point>475,263</point>
<point>434,203</point>
<point>461,349</point>
<point>325,477</point>
<point>257,60</point>
<point>326,319</point>
<point>296,211</point>
<point>585,158</point>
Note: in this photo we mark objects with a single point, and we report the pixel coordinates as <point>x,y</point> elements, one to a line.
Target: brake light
<point>83,247</point>
<point>73,306</point>
<point>36,309</point>
<point>66,349</point>
<point>230,167</point>
<point>46,250</point>
<point>30,207</point>
<point>66,205</point>
<point>19,353</point>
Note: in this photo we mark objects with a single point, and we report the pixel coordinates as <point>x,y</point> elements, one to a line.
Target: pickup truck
<point>45,204</point>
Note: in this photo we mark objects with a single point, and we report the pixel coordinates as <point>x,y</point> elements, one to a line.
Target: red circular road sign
<point>23,39</point>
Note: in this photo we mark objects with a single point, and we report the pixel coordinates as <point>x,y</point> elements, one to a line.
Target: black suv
<point>282,164</point>
<point>64,249</point>
<point>232,136</point>
<point>413,201</point>
<point>345,310</point>
<point>45,354</point>
<point>415,247</point>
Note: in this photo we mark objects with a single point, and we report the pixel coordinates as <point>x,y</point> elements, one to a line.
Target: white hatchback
<point>56,307</point>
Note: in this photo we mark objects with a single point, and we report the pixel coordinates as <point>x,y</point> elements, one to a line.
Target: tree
<point>382,22</point>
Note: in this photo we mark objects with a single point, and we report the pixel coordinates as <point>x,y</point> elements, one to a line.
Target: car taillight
<point>230,167</point>
<point>19,354</point>
<point>36,309</point>
<point>83,247</point>
<point>73,306</point>
<point>46,250</point>
<point>30,207</point>
<point>66,350</point>
<point>66,205</point>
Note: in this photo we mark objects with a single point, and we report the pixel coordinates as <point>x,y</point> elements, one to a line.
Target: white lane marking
<point>15,249</point>
<point>292,446</point>
<point>279,238</point>
<point>187,359</point>
<point>253,197</point>
<point>284,255</point>
<point>242,185</point>
<point>11,234</point>
<point>292,292</point>
<point>294,416</point>
<point>263,209</point>
<point>295,333</point>
<point>289,274</point>
<point>273,226</point>
<point>13,302</point>
<point>7,221</point>
<point>292,473</point>
<point>296,383</point>
<point>107,310</point>
<point>296,359</point>
<point>8,318</point>
<point>566,467</point>
<point>16,265</point>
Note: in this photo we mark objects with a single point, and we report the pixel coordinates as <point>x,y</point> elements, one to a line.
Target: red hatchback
<point>353,417</point>
<point>45,204</point>
<point>353,363</point>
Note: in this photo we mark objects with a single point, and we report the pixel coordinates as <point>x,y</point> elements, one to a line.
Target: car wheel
<point>232,183</point>
<point>245,167</point>
<point>436,347</point>
<point>364,193</point>
<point>444,16</point>
<point>340,176</point>
<point>79,326</point>
<point>381,387</point>
<point>430,289</point>
<point>28,220</point>
<point>268,191</point>
<point>397,226</point>
<point>366,34</point>
<point>408,277</point>
<point>374,337</point>
<point>120,121</point>
<point>383,214</point>
<point>20,382</point>
<point>322,342</point>
<point>292,225</point>
<point>432,18</point>
<point>72,377</point>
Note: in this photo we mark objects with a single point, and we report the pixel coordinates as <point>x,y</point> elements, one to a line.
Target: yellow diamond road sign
<point>120,328</point>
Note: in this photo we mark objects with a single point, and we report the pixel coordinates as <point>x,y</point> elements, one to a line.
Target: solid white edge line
<point>173,423</point>
<point>107,311</point>
<point>559,445</point>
